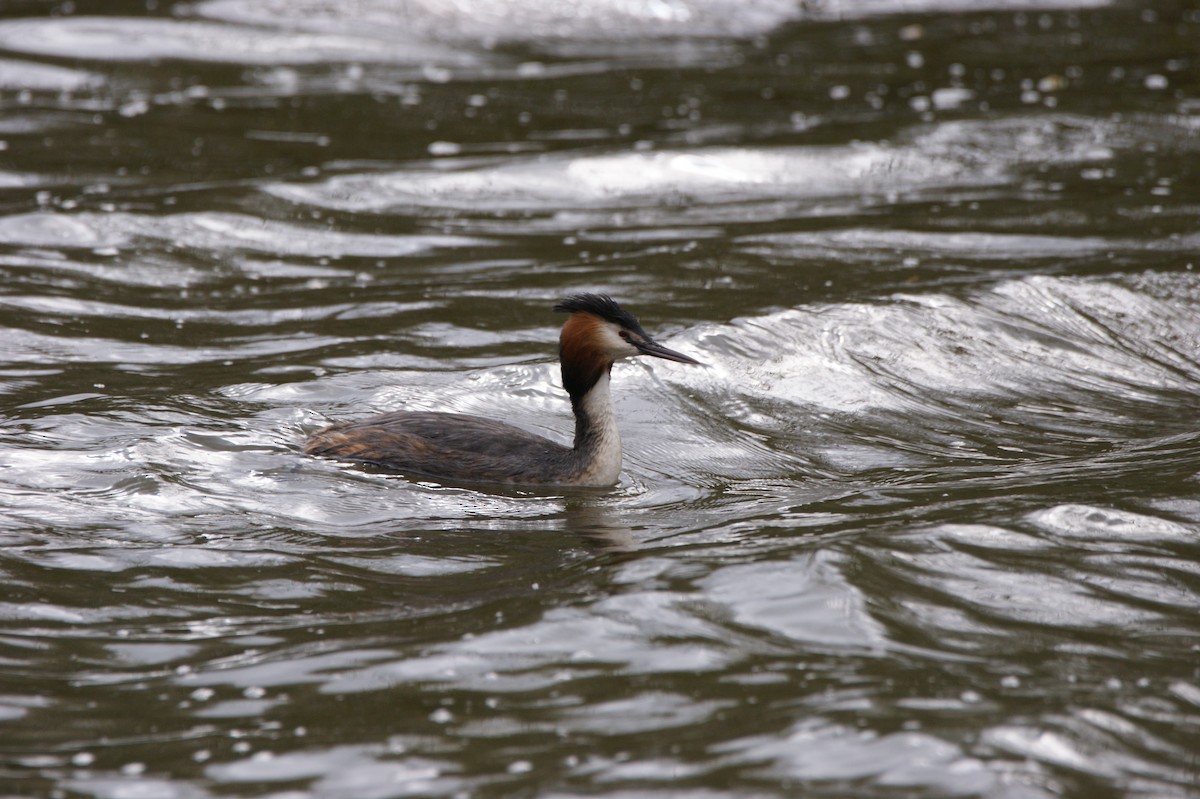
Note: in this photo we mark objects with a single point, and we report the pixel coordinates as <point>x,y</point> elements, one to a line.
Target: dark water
<point>928,523</point>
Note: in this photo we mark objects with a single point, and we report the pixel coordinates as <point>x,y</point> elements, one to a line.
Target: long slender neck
<point>597,449</point>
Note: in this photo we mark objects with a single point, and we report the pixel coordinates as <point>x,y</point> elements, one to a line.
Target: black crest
<point>601,305</point>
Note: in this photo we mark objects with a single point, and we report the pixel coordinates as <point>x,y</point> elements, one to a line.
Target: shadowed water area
<point>926,524</point>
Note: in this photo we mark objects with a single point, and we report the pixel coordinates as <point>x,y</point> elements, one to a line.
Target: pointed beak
<point>648,347</point>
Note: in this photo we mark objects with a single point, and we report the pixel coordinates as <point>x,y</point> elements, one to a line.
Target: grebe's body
<point>472,449</point>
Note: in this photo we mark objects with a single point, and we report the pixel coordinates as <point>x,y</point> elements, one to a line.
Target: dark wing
<point>447,445</point>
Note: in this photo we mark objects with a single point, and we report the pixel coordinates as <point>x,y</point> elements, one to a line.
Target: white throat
<point>602,452</point>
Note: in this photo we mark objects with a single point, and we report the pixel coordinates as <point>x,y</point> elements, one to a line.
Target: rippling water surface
<point>927,523</point>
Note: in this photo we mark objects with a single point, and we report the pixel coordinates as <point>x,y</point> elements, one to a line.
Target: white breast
<point>602,466</point>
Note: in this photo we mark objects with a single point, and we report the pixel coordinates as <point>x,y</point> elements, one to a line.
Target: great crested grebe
<point>464,448</point>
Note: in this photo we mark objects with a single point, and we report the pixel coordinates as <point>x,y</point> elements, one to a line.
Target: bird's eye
<point>624,334</point>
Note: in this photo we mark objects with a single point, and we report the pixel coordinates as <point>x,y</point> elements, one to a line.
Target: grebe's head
<point>598,333</point>
<point>599,329</point>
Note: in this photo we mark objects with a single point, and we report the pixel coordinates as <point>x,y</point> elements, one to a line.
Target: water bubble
<point>1052,83</point>
<point>435,74</point>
